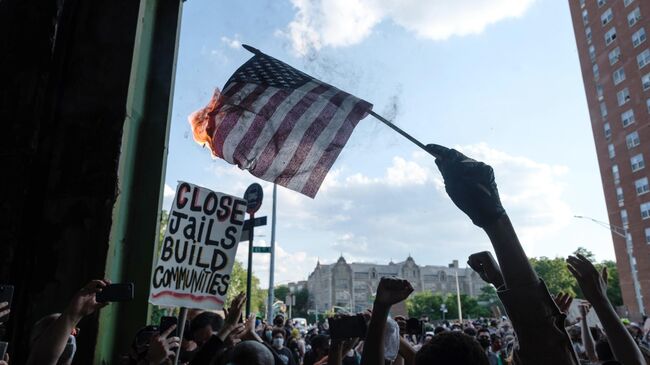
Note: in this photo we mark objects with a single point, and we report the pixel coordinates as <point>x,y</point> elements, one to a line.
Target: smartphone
<point>3,349</point>
<point>121,292</point>
<point>166,322</point>
<point>347,327</point>
<point>414,326</point>
<point>6,295</point>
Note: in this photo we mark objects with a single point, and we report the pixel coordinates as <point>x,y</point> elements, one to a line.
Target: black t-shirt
<point>286,356</point>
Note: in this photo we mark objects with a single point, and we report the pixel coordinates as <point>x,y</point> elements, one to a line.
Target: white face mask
<point>278,342</point>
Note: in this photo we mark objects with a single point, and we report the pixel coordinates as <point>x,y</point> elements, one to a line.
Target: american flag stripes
<point>280,124</point>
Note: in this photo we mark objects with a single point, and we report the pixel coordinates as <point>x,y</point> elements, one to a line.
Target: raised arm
<point>594,288</point>
<point>50,344</point>
<point>390,291</point>
<point>587,339</point>
<point>471,186</point>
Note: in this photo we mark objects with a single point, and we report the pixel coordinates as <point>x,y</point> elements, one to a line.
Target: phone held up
<point>347,327</point>
<point>120,292</point>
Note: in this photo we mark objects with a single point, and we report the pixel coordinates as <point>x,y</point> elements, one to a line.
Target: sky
<point>499,80</point>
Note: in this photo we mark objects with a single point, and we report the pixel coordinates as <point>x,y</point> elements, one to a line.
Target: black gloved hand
<point>470,185</point>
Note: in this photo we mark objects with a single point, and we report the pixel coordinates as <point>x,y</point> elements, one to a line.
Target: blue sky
<point>499,80</point>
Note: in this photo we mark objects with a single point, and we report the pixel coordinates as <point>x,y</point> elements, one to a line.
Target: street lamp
<point>625,233</point>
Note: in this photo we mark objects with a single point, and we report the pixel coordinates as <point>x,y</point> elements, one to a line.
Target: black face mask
<point>485,342</point>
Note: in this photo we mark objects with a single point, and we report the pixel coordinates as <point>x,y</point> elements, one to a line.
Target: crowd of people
<point>535,329</point>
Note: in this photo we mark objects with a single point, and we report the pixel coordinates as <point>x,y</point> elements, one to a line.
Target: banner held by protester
<point>198,249</point>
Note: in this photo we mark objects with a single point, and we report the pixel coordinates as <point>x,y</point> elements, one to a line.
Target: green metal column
<point>141,172</point>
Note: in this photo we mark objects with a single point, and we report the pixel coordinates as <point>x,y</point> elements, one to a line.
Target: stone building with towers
<point>353,285</point>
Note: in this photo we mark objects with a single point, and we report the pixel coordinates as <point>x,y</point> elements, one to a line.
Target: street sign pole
<point>253,197</point>
<point>269,303</point>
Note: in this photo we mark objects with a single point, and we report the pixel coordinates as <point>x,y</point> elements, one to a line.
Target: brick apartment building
<point>615,62</point>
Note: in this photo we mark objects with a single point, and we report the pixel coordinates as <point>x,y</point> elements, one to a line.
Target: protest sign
<point>198,249</point>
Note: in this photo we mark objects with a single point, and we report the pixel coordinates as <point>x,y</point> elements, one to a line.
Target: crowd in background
<point>534,330</point>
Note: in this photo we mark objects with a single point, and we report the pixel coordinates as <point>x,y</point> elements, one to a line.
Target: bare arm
<point>390,291</point>
<point>406,351</point>
<point>594,287</point>
<point>51,343</point>
<point>587,338</point>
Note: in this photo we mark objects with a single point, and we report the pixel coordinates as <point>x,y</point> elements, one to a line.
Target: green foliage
<point>555,274</point>
<point>238,284</point>
<point>558,278</point>
<point>428,304</point>
<point>280,292</point>
<point>302,301</point>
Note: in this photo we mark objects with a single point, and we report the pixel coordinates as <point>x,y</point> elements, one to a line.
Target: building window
<point>608,131</point>
<point>615,173</point>
<point>599,91</point>
<point>627,2</point>
<point>642,186</point>
<point>588,34</point>
<point>611,150</point>
<point>618,76</point>
<point>623,96</point>
<point>645,80</point>
<point>647,235</point>
<point>637,162</point>
<point>610,36</point>
<point>647,104</point>
<point>601,3</point>
<point>596,71</point>
<point>638,37</point>
<point>643,58</point>
<point>619,196</point>
<point>645,210</point>
<point>632,140</point>
<point>585,17</point>
<point>606,17</point>
<point>633,17</point>
<point>627,118</point>
<point>614,55</point>
<point>624,220</point>
<point>603,109</point>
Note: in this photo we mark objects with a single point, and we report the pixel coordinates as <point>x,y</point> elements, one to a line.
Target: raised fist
<point>470,185</point>
<point>392,290</point>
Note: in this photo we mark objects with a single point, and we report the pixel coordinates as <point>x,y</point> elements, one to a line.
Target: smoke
<point>392,109</point>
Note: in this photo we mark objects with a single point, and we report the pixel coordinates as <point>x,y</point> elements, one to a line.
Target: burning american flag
<point>279,123</point>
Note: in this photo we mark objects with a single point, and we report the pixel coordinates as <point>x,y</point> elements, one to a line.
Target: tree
<point>555,274</point>
<point>280,292</point>
<point>424,304</point>
<point>238,279</point>
<point>613,283</point>
<point>302,301</point>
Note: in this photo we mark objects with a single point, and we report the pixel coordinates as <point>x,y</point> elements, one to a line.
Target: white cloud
<point>407,209</point>
<point>336,23</point>
<point>234,42</point>
<point>402,210</point>
<point>168,192</point>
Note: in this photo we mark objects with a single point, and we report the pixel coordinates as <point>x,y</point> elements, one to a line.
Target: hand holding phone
<point>6,296</point>
<point>120,292</point>
<point>166,322</point>
<point>344,327</point>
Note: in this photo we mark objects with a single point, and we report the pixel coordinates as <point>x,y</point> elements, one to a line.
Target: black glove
<point>470,185</point>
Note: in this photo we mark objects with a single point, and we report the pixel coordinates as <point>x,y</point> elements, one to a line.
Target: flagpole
<point>400,131</point>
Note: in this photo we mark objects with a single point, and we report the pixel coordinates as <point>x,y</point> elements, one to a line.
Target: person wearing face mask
<point>278,345</point>
<point>268,335</point>
<point>483,337</point>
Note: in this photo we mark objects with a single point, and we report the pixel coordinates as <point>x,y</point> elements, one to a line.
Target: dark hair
<point>451,348</point>
<point>481,330</point>
<point>603,350</point>
<point>470,331</point>
<point>252,353</point>
<point>207,319</point>
<point>439,329</point>
<point>320,342</point>
<point>280,331</point>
